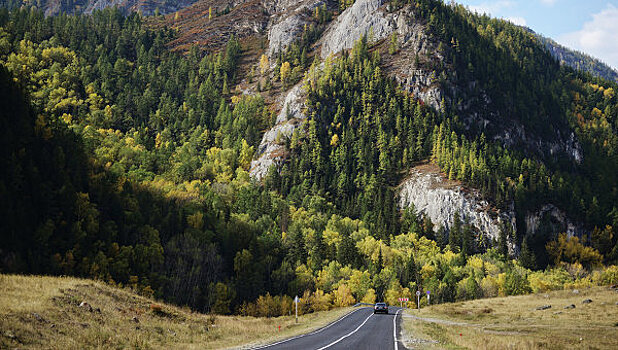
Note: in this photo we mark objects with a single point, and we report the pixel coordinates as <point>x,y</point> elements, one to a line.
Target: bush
<point>516,283</point>
<point>545,281</point>
<point>343,296</point>
<point>468,289</point>
<point>370,296</point>
<point>570,250</point>
<point>320,301</point>
<point>610,275</point>
<point>489,287</point>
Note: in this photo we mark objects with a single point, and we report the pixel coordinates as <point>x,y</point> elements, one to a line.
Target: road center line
<point>347,335</point>
<point>395,329</point>
<point>307,334</point>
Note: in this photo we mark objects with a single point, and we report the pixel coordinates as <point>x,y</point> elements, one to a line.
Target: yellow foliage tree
<point>264,64</point>
<point>320,301</point>
<point>285,72</point>
<point>334,141</point>
<point>246,154</point>
<point>343,296</point>
<point>572,251</point>
<point>370,296</point>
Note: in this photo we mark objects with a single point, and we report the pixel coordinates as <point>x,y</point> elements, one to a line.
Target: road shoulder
<point>415,332</point>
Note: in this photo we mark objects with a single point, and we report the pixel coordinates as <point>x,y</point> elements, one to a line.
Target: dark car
<point>380,307</point>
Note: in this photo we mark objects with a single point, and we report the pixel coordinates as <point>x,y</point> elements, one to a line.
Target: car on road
<point>380,307</point>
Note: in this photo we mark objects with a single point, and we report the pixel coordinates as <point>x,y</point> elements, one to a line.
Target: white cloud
<point>498,9</point>
<point>598,37</point>
<point>520,21</point>
<point>549,2</point>
<point>491,8</point>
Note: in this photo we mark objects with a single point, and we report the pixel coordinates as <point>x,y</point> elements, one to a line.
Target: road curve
<point>360,329</point>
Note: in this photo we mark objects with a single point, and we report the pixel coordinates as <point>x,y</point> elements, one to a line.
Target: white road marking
<point>395,329</point>
<point>306,334</point>
<point>347,335</point>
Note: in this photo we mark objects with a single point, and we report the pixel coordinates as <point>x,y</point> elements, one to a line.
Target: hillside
<point>583,318</point>
<point>579,61</point>
<point>341,151</point>
<point>61,312</point>
<point>146,7</point>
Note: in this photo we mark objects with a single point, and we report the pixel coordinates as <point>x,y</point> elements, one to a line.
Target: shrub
<point>516,283</point>
<point>343,296</point>
<point>544,281</point>
<point>370,296</point>
<point>610,275</point>
<point>489,287</point>
<point>570,250</point>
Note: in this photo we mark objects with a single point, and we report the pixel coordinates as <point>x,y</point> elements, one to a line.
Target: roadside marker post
<point>418,299</point>
<point>428,299</point>
<point>296,304</point>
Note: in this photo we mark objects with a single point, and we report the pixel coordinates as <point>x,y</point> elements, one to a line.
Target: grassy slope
<point>514,322</point>
<point>43,312</point>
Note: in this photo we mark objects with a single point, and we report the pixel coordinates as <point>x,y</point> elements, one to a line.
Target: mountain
<point>579,60</point>
<point>233,153</point>
<point>146,7</point>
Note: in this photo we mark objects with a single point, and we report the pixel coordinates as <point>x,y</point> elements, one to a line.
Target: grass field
<point>515,323</point>
<point>44,312</point>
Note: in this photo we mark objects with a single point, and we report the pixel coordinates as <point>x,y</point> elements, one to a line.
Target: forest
<point>127,162</point>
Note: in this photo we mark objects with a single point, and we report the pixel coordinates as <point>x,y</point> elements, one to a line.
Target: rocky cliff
<point>436,197</point>
<point>416,50</point>
<point>288,20</point>
<point>272,150</point>
<point>146,7</point>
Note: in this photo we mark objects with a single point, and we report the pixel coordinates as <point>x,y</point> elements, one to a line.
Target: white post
<point>296,304</point>
<point>418,299</point>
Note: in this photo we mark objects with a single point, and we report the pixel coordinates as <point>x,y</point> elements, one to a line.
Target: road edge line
<point>395,329</point>
<point>305,334</point>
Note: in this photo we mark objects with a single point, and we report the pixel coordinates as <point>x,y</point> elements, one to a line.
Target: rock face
<point>416,47</point>
<point>284,33</point>
<point>354,22</point>
<point>555,218</point>
<point>412,65</point>
<point>146,7</point>
<point>288,22</point>
<point>272,150</point>
<point>438,198</point>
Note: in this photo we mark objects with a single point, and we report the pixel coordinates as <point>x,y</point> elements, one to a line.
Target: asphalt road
<point>360,329</point>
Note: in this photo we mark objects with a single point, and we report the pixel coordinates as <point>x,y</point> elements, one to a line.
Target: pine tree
<point>526,256</point>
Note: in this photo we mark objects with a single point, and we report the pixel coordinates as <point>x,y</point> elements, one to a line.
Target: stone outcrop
<point>147,8</point>
<point>556,219</point>
<point>284,33</point>
<point>272,150</point>
<point>371,18</point>
<point>288,22</point>
<point>439,199</point>
<point>354,22</point>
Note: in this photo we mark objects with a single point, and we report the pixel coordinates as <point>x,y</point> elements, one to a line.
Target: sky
<point>590,26</point>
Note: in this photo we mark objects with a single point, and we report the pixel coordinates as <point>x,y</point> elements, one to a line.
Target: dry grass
<point>43,312</point>
<point>514,322</point>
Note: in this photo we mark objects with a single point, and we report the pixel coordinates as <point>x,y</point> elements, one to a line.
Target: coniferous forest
<point>126,161</point>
